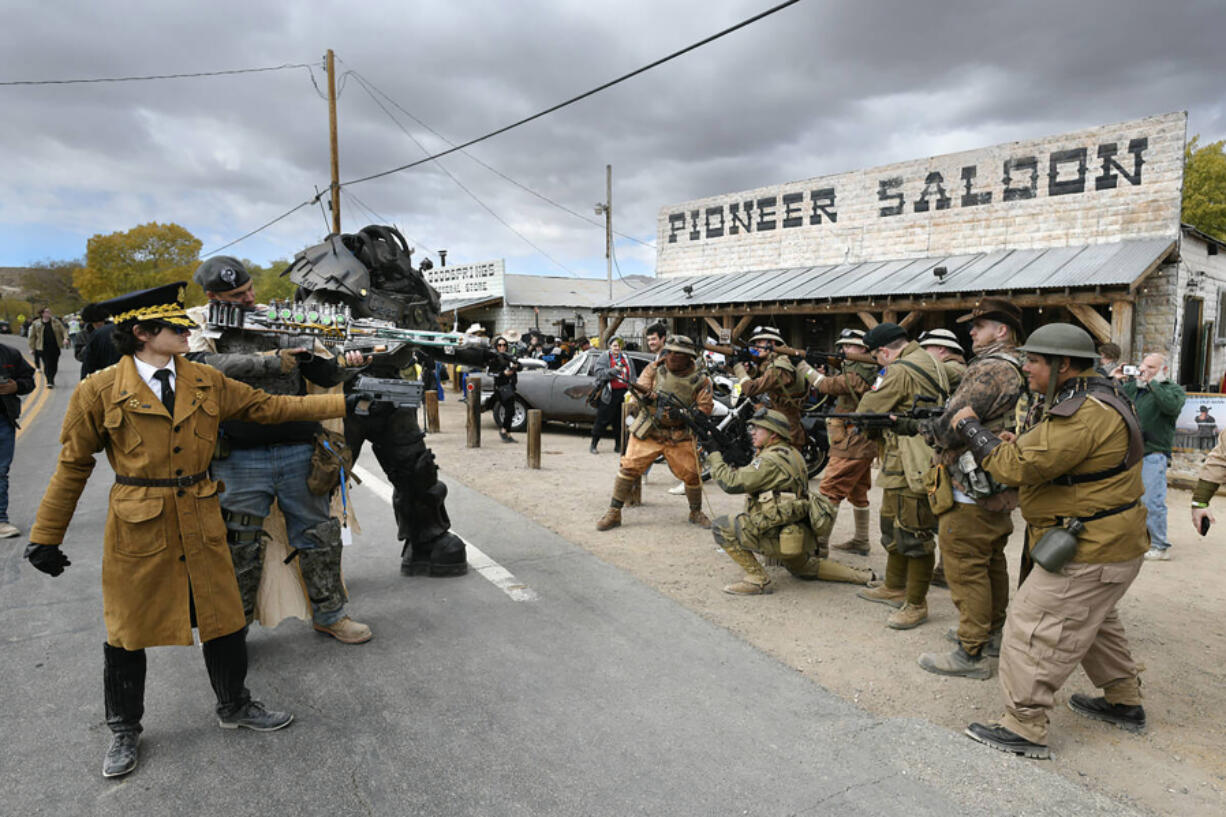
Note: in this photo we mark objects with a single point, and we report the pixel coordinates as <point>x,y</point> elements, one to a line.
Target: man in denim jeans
<point>260,463</point>
<point>1158,403</point>
<point>16,378</point>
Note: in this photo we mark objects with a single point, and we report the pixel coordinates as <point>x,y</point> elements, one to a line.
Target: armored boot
<point>893,590</point>
<point>958,663</point>
<point>226,660</point>
<point>621,491</point>
<point>123,688</point>
<point>858,543</point>
<point>430,548</point>
<point>693,494</point>
<point>321,572</point>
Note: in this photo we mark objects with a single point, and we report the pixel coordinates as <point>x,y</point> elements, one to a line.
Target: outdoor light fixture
<point>688,289</point>
<point>940,273</point>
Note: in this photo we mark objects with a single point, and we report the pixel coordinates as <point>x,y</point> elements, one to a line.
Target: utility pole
<point>607,209</point>
<point>336,162</point>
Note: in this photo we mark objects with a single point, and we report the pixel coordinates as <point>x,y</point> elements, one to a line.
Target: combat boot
<point>907,617</point>
<point>884,594</point>
<point>612,519</point>
<point>1005,740</point>
<point>693,493</point>
<point>858,542</point>
<point>959,663</point>
<point>346,631</point>
<point>990,649</point>
<point>748,587</point>
<point>1124,716</point>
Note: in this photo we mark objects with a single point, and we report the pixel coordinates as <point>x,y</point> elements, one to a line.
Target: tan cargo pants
<point>972,542</point>
<point>681,456</point>
<point>1060,620</point>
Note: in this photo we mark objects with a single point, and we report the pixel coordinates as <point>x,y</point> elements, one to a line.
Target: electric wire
<point>262,227</point>
<point>575,99</point>
<point>381,219</point>
<point>366,82</point>
<point>458,183</point>
<point>229,72</point>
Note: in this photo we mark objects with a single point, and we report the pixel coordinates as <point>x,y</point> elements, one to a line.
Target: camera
<point>1131,371</point>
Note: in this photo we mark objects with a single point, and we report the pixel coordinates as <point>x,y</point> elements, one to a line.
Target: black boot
<point>226,660</point>
<point>1124,716</point>
<point>123,686</point>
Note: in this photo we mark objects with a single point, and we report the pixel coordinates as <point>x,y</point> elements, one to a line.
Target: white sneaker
<point>678,489</point>
<point>1158,555</point>
<point>8,530</point>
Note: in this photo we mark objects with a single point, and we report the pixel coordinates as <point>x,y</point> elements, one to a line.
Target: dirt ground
<point>1174,615</point>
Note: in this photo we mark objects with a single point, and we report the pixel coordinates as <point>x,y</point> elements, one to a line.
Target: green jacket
<point>1158,407</point>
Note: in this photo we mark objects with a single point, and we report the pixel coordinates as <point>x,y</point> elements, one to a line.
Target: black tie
<point>168,393</point>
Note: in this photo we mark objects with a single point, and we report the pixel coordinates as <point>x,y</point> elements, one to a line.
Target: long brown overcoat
<point>164,547</point>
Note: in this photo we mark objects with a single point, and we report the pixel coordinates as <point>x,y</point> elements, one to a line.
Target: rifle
<point>813,356</point>
<point>400,393</point>
<point>730,436</point>
<point>297,324</point>
<point>875,420</point>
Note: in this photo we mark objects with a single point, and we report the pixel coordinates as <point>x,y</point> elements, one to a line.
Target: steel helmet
<point>1060,340</point>
<point>766,333</point>
<point>773,421</point>
<point>682,344</point>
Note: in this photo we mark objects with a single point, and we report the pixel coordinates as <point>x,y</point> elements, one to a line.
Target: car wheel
<point>519,417</point>
<point>815,458</point>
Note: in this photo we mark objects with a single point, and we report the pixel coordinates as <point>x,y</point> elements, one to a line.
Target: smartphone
<point>1131,371</point>
<point>1204,526</point>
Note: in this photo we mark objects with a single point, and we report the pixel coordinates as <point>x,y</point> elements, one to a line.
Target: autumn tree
<point>269,284</point>
<point>1204,187</point>
<point>50,283</point>
<point>142,257</point>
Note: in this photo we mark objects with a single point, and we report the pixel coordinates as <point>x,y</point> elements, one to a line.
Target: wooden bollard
<point>454,372</point>
<point>474,411</point>
<point>432,423</point>
<point>534,438</point>
<point>623,434</point>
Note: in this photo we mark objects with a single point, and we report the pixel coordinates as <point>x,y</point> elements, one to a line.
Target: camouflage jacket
<point>991,385</point>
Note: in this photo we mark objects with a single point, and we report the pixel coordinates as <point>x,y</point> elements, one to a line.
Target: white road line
<point>495,573</point>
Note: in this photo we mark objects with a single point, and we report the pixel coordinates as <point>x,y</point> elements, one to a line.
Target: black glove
<point>743,355</point>
<point>364,405</point>
<point>47,558</point>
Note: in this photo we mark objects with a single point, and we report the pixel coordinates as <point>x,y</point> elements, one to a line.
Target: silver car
<point>561,394</point>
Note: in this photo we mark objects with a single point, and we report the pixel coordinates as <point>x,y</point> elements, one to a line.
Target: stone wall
<point>1089,187</point>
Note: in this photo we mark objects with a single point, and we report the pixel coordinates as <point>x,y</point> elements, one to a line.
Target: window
<point>1221,315</point>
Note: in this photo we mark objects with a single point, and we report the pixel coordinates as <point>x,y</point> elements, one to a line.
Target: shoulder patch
<point>880,379</point>
<point>756,464</point>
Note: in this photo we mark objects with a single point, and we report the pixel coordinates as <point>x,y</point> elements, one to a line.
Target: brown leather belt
<point>172,482</point>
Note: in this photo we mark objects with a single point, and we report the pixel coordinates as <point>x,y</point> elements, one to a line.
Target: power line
<point>381,219</point>
<point>366,82</point>
<point>575,99</point>
<point>458,183</point>
<point>283,67</point>
<point>261,228</point>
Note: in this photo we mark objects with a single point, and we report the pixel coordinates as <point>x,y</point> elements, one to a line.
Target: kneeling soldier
<point>778,509</point>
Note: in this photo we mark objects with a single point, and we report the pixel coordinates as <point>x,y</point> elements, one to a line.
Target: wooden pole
<point>534,438</point>
<point>432,423</point>
<point>1121,327</point>
<point>336,159</point>
<point>455,377</point>
<point>636,490</point>
<point>474,411</point>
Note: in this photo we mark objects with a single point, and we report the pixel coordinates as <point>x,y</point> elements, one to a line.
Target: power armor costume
<point>371,272</point>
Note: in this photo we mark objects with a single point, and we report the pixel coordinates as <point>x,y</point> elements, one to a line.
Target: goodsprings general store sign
<point>1105,184</point>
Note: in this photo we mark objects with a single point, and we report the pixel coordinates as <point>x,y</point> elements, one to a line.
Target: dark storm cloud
<point>818,88</point>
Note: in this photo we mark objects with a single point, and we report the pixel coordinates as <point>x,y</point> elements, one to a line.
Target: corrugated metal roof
<point>1118,264</point>
<point>545,290</point>
<point>460,304</point>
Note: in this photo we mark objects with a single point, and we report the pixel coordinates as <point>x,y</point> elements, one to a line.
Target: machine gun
<point>729,436</point>
<point>814,357</point>
<point>399,393</point>
<point>296,324</point>
<point>874,420</point>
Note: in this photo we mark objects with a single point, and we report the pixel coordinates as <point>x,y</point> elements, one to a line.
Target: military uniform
<point>776,378</point>
<point>848,474</point>
<point>655,433</point>
<point>777,507</point>
<point>908,526</point>
<point>974,531</point>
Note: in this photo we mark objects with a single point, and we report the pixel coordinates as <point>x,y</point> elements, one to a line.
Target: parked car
<point>5,328</point>
<point>561,394</point>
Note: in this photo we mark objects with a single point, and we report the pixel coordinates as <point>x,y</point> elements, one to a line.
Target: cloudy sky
<point>820,87</point>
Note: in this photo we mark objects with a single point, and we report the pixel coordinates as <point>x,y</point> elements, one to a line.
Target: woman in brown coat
<point>165,565</point>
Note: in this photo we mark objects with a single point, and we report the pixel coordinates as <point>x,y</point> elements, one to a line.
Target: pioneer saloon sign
<point>1094,186</point>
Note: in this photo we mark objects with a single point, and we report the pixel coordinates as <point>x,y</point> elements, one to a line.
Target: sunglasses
<point>178,330</point>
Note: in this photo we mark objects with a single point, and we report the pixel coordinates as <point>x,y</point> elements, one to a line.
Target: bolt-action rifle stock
<point>814,357</point>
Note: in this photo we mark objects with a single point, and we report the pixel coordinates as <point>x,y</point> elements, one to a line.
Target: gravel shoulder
<point>1174,615</point>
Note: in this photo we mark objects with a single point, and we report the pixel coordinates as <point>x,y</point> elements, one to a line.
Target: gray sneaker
<point>253,715</point>
<point>1158,555</point>
<point>8,530</point>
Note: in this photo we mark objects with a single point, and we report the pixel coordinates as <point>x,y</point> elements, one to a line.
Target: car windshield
<point>574,365</point>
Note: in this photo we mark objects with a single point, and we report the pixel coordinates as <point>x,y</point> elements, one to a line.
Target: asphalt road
<point>595,696</point>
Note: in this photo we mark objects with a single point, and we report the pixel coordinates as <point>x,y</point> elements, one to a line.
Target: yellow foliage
<point>1204,187</point>
<point>142,257</point>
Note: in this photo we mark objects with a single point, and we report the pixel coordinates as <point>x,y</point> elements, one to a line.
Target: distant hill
<point>12,280</point>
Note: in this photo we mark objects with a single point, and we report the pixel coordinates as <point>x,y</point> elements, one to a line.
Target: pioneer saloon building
<point>1082,227</point>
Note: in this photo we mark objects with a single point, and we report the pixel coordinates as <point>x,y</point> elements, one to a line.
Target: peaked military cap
<point>162,304</point>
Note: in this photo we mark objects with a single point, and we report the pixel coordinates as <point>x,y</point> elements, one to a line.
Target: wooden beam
<point>1121,328</point>
<point>910,318</point>
<point>715,325</point>
<point>889,316</point>
<point>607,330</point>
<point>868,319</point>
<point>1096,323</point>
<point>740,327</point>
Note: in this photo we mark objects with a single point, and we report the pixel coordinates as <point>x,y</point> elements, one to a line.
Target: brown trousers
<point>681,456</point>
<point>972,543</point>
<point>847,479</point>
<point>1060,620</point>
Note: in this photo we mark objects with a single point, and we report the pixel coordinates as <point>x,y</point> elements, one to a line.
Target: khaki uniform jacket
<point>896,390</point>
<point>1094,438</point>
<point>703,400</point>
<point>772,482</point>
<point>36,334</point>
<point>778,381</point>
<point>160,541</point>
<point>855,381</point>
<point>1214,468</point>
